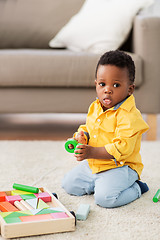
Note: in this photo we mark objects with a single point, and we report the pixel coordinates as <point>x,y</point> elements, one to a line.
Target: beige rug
<point>44,163</point>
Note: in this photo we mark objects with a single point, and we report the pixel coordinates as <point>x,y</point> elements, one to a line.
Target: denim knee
<point>72,185</point>
<point>106,201</point>
<point>67,185</point>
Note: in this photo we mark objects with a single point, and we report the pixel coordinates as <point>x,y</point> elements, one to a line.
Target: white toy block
<point>82,212</point>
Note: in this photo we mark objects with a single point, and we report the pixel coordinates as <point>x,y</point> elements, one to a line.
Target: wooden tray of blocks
<point>26,214</point>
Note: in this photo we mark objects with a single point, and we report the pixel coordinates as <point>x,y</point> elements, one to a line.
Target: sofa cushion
<point>47,68</point>
<point>32,23</point>
<point>99,26</point>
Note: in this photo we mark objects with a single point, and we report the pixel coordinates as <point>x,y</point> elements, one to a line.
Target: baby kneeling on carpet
<point>110,162</point>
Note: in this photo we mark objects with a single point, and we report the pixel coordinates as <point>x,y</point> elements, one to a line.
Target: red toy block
<point>7,207</point>
<point>44,196</point>
<point>2,196</point>
<point>14,198</point>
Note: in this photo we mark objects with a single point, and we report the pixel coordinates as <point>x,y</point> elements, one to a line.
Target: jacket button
<point>121,163</point>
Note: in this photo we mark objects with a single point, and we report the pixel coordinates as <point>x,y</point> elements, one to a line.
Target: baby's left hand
<point>83,152</point>
<point>80,138</point>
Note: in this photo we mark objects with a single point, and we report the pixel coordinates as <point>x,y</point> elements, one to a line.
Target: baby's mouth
<point>107,101</point>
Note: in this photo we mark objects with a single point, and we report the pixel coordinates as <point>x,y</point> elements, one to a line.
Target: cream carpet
<point>44,163</point>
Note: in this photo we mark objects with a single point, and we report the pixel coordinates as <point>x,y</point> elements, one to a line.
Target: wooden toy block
<point>12,199</point>
<point>44,196</point>
<point>2,196</point>
<point>59,215</point>
<point>35,211</point>
<point>18,214</point>
<point>82,212</point>
<point>42,204</point>
<point>36,224</point>
<point>4,214</point>
<point>32,202</point>
<point>25,188</point>
<point>19,192</point>
<point>58,209</point>
<point>20,206</point>
<point>7,207</point>
<point>25,204</point>
<point>35,218</point>
<point>12,220</point>
<point>27,196</point>
<point>46,211</point>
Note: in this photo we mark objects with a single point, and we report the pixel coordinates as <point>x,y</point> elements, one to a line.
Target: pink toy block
<point>59,215</point>
<point>44,196</point>
<point>13,198</point>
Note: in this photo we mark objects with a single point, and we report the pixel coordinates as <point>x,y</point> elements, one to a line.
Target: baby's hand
<point>80,137</point>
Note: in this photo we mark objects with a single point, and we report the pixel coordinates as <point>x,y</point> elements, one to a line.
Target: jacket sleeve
<point>128,132</point>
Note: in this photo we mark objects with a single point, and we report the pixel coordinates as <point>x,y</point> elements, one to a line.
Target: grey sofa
<point>37,79</point>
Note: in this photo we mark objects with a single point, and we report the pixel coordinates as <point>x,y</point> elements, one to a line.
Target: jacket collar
<point>127,104</point>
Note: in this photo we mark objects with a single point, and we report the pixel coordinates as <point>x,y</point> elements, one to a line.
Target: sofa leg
<point>153,127</point>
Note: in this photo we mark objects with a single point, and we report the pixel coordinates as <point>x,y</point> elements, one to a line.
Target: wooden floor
<point>56,126</point>
<point>39,126</point>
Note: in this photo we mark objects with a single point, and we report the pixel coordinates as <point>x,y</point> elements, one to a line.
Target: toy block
<point>156,197</point>
<point>12,199</point>
<point>18,214</point>
<point>35,218</point>
<point>59,215</point>
<point>47,211</point>
<point>2,196</point>
<point>82,212</point>
<point>27,196</point>
<point>42,204</point>
<point>44,196</point>
<point>20,206</point>
<point>7,207</point>
<point>25,188</point>
<point>58,209</point>
<point>35,211</point>
<point>19,192</point>
<point>32,202</point>
<point>12,220</point>
<point>5,214</point>
<point>29,207</point>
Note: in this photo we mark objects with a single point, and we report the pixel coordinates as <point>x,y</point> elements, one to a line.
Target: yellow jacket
<point>118,129</point>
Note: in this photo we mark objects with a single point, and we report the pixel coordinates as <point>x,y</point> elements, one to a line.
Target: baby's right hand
<point>80,137</point>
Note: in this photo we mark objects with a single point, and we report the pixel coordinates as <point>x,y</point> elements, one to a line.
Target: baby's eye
<point>102,84</point>
<point>116,85</point>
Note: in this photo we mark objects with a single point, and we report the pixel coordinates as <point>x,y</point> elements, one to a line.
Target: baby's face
<point>112,85</point>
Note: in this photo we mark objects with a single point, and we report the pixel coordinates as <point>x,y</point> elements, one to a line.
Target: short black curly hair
<point>119,59</point>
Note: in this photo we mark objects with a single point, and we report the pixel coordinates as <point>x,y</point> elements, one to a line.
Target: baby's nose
<point>108,90</point>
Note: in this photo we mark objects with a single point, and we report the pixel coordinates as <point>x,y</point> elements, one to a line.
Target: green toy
<point>74,143</point>
<point>25,188</point>
<point>156,196</point>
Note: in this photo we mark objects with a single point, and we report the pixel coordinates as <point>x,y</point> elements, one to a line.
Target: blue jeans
<point>113,188</point>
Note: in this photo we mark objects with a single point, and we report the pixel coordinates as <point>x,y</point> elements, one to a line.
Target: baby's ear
<point>131,89</point>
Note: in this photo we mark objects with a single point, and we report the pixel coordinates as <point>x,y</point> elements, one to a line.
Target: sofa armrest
<point>146,33</point>
<point>146,44</point>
